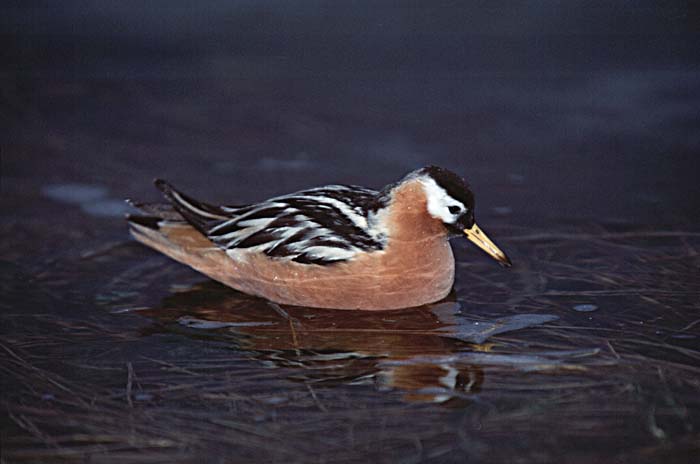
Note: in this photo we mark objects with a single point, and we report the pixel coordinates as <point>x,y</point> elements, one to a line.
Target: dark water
<point>577,128</point>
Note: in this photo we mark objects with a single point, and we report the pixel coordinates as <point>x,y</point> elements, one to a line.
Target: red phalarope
<point>338,246</point>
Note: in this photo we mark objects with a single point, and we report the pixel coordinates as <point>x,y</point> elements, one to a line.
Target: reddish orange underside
<point>415,268</point>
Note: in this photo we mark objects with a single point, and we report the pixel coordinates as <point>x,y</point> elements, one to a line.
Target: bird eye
<point>454,209</point>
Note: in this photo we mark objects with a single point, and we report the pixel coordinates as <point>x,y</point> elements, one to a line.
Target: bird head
<point>450,200</point>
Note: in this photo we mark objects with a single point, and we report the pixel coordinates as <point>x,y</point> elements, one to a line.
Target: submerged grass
<point>87,379</point>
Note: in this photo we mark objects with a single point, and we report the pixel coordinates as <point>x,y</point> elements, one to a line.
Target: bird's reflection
<point>412,350</point>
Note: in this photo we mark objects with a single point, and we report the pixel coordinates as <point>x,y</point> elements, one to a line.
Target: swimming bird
<point>337,246</point>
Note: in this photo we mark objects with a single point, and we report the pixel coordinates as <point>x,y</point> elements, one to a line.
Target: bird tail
<point>175,228</point>
<point>176,239</point>
<point>178,231</point>
<point>201,215</point>
<point>158,210</point>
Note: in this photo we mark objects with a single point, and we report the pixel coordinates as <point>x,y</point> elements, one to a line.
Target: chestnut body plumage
<point>338,247</point>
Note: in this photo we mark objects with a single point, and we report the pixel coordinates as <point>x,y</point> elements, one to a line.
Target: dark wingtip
<point>162,185</point>
<point>150,222</point>
<point>165,188</point>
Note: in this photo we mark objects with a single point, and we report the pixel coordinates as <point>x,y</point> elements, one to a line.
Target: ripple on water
<point>585,308</point>
<point>92,199</point>
<point>107,207</point>
<point>74,193</point>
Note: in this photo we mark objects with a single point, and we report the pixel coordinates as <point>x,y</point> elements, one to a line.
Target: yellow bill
<point>479,238</point>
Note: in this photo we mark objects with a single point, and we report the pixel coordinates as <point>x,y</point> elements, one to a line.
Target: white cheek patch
<point>439,202</point>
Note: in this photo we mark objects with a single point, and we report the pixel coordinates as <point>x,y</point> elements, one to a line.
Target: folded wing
<point>319,226</point>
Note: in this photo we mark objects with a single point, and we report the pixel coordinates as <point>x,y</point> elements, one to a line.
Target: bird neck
<point>406,216</point>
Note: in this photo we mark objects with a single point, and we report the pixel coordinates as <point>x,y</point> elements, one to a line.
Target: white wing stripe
<point>190,206</point>
<point>258,223</point>
<point>358,220</point>
<point>327,252</point>
<point>222,225</point>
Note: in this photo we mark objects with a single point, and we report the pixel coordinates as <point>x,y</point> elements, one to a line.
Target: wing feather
<point>317,226</point>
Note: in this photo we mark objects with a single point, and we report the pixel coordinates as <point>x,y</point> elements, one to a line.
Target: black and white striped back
<point>322,226</point>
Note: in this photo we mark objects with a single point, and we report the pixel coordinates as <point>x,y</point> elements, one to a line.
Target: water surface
<point>578,133</point>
